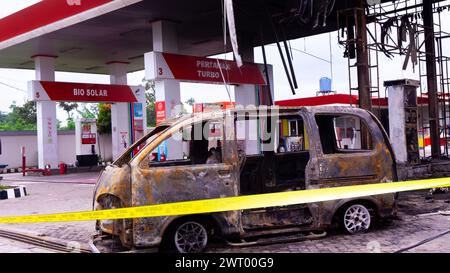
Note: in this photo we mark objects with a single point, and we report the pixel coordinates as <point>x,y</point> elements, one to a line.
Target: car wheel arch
<point>100,198</point>
<point>210,221</point>
<point>341,206</point>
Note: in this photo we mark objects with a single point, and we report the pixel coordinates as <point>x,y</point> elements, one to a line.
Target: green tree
<point>26,112</point>
<point>20,118</point>
<point>88,111</point>
<point>190,102</point>
<point>104,118</point>
<point>150,98</point>
<point>3,117</point>
<point>99,111</point>
<point>70,124</point>
<point>68,107</point>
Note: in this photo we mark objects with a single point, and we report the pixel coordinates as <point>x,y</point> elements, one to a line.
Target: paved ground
<point>9,246</point>
<point>385,238</point>
<point>65,194</point>
<point>62,194</point>
<point>77,178</point>
<point>408,229</point>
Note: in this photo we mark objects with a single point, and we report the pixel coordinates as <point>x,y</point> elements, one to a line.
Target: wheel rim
<point>191,237</point>
<point>356,219</point>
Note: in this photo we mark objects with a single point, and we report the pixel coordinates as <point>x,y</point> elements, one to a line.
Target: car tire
<point>356,218</point>
<point>187,237</point>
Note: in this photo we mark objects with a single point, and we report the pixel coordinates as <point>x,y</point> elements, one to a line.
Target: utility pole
<point>433,105</point>
<point>362,63</point>
<point>362,57</point>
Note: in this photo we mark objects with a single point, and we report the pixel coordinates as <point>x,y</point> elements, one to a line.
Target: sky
<point>308,69</point>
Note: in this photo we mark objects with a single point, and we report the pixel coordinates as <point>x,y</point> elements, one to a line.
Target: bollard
<point>47,170</point>
<point>62,168</point>
<point>24,161</point>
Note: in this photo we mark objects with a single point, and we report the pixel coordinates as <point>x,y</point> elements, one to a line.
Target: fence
<point>12,141</point>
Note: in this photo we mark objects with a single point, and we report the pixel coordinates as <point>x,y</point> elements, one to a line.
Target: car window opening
<point>277,160</point>
<point>199,143</point>
<point>343,134</point>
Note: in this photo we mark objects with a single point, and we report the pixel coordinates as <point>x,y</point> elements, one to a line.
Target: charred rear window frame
<point>336,149</point>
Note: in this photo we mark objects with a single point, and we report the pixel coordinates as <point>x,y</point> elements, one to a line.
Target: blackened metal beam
<point>289,58</point>
<point>362,57</point>
<point>266,68</point>
<point>277,41</point>
<point>430,54</point>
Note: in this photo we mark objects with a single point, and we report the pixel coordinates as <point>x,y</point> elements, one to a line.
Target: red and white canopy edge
<point>84,92</point>
<point>51,15</point>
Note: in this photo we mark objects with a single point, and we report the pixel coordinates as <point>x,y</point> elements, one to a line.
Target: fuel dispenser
<point>403,117</point>
<point>86,142</point>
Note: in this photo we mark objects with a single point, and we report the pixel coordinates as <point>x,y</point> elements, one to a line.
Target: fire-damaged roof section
<point>120,30</point>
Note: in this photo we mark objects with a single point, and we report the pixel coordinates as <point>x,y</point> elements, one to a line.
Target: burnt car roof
<point>311,109</point>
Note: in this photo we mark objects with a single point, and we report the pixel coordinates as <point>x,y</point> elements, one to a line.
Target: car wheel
<point>189,237</point>
<point>356,218</point>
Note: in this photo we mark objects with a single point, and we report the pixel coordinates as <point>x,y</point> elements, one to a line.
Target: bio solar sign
<point>83,92</point>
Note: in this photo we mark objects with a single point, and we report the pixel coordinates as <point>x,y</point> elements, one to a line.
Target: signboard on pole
<point>87,137</point>
<point>160,111</point>
<point>163,66</point>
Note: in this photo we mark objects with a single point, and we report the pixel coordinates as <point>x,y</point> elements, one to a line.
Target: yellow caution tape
<point>236,203</point>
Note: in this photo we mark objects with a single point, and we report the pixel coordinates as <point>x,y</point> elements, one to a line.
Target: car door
<point>352,150</point>
<point>196,176</point>
<point>281,169</point>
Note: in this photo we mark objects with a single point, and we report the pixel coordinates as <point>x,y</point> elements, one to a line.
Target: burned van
<point>244,152</point>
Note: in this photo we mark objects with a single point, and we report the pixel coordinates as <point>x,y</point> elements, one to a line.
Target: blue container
<point>325,84</point>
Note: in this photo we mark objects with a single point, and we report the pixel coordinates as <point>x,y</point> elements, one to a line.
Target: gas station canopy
<point>87,35</point>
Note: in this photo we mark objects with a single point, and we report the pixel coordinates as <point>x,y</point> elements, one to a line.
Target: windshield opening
<point>138,146</point>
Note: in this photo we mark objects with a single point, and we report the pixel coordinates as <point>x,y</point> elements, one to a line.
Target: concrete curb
<point>14,192</point>
<point>48,181</point>
<point>11,170</point>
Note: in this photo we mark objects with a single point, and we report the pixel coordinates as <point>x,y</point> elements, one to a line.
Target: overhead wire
<point>13,87</point>
<point>331,55</point>
<point>224,28</point>
<point>306,53</point>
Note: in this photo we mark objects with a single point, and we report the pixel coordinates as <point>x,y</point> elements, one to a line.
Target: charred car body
<point>243,152</point>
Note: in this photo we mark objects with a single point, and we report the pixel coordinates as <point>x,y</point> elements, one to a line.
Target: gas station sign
<point>83,92</point>
<point>87,137</point>
<point>86,145</point>
<point>208,107</point>
<point>163,66</point>
<point>160,111</point>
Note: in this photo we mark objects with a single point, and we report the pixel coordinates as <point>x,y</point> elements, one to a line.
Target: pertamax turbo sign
<point>200,69</point>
